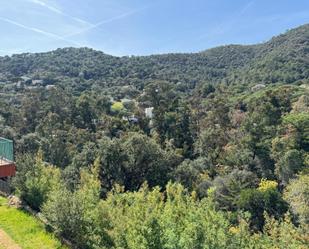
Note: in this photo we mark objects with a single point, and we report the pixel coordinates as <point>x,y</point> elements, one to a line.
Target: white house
<point>148,112</point>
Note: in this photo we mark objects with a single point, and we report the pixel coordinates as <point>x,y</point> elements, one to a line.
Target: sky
<point>143,27</point>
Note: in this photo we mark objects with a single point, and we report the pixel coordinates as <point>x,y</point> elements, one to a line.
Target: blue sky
<point>141,27</point>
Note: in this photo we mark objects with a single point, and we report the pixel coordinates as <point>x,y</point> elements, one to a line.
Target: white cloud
<point>246,7</point>
<point>39,31</point>
<point>93,26</point>
<point>58,11</point>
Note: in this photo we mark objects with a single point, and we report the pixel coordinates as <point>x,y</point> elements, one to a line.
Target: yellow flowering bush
<point>267,185</point>
<point>234,230</point>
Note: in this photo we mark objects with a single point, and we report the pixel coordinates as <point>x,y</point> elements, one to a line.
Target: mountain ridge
<point>282,59</point>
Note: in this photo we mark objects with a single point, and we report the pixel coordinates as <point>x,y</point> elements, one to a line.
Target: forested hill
<point>200,150</point>
<point>283,59</point>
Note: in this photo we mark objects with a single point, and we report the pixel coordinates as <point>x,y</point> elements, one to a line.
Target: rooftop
<point>4,162</point>
<point>7,165</point>
<point>6,150</point>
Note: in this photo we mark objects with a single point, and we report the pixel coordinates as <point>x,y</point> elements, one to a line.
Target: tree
<point>84,112</point>
<point>55,148</point>
<point>297,195</point>
<point>228,188</point>
<point>74,215</point>
<point>173,219</point>
<point>266,198</point>
<point>289,149</point>
<point>213,134</point>
<point>146,161</point>
<point>192,173</point>
<point>34,180</point>
<point>283,234</point>
<point>31,111</point>
<point>29,143</point>
<point>133,159</point>
<point>301,105</point>
<point>289,165</point>
<point>117,107</point>
<point>264,112</point>
<point>164,100</point>
<point>300,122</point>
<point>179,131</point>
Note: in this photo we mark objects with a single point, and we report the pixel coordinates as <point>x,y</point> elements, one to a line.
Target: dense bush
<point>34,180</point>
<point>155,219</point>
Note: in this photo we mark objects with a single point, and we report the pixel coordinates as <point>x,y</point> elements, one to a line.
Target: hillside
<point>200,150</point>
<point>283,59</point>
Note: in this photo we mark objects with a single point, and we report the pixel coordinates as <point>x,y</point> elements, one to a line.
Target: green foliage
<point>300,122</point>
<point>85,112</point>
<point>284,234</point>
<point>150,219</point>
<point>191,173</point>
<point>213,135</point>
<point>228,188</point>
<point>133,159</point>
<point>155,219</point>
<point>223,120</point>
<point>290,164</point>
<point>297,194</point>
<point>279,60</point>
<point>266,198</point>
<point>117,107</point>
<point>34,180</point>
<point>289,150</point>
<point>74,215</point>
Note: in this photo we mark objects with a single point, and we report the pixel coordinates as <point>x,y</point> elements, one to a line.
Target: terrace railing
<point>6,149</point>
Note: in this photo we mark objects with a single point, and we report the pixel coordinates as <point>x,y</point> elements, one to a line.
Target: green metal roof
<point>6,149</point>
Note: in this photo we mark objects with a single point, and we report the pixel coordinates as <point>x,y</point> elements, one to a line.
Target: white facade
<point>148,112</point>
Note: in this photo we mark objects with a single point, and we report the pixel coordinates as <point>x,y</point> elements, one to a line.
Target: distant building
<point>306,86</point>
<point>149,112</point>
<point>25,78</point>
<point>7,164</point>
<point>49,87</point>
<point>19,84</point>
<point>37,82</point>
<point>257,87</point>
<point>31,87</point>
<point>131,119</point>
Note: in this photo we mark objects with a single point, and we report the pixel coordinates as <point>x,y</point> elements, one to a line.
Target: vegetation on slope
<point>284,59</point>
<point>223,153</point>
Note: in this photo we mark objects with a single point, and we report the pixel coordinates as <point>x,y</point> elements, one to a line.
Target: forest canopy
<point>201,150</point>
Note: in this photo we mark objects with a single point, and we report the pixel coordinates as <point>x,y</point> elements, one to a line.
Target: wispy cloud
<point>39,31</point>
<point>112,19</point>
<point>222,27</point>
<point>58,11</point>
<point>246,7</point>
<point>90,26</point>
<point>68,31</point>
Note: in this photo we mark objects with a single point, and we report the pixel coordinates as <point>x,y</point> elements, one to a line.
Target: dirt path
<point>7,242</point>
